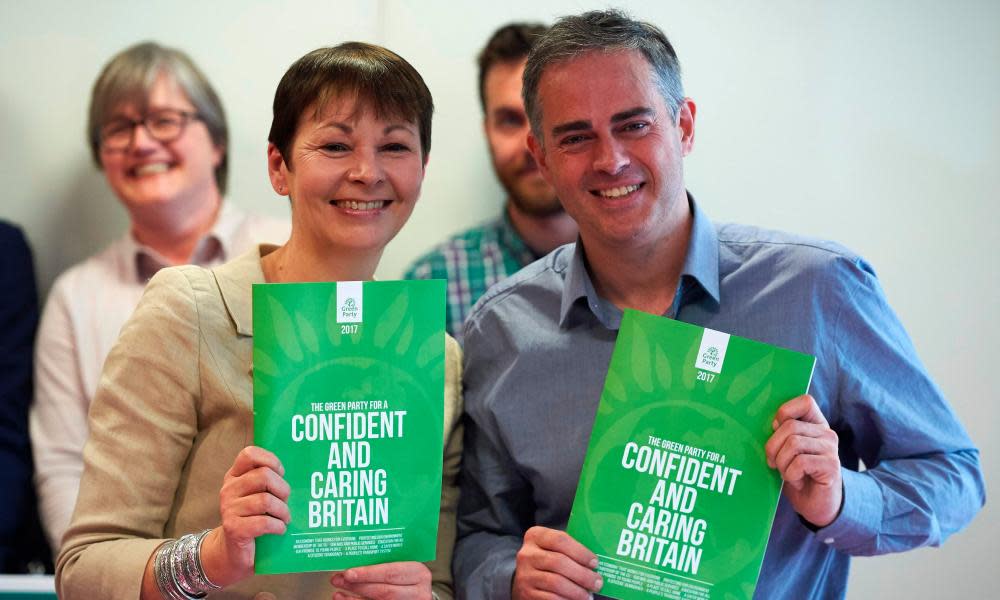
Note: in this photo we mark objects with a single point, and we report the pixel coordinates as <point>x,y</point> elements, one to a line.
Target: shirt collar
<point>227,227</point>
<point>213,248</point>
<point>701,265</point>
<point>699,275</point>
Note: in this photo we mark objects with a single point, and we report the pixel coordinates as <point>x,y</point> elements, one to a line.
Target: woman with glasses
<point>157,131</point>
<point>172,498</point>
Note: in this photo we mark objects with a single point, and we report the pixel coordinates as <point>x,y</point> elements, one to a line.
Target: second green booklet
<point>675,496</point>
<point>349,394</point>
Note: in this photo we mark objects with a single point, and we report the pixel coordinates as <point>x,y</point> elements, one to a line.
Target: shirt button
<point>828,540</point>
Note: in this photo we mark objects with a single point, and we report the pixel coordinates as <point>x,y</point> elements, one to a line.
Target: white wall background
<point>872,123</point>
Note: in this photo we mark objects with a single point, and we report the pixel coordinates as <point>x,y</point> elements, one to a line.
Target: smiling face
<point>506,126</point>
<point>353,179</point>
<point>149,173</point>
<point>611,148</point>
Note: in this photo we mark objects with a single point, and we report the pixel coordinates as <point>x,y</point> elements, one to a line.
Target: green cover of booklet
<point>348,392</point>
<point>675,496</point>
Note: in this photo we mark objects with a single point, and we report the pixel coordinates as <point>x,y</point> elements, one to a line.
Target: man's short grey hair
<point>128,78</point>
<point>604,31</point>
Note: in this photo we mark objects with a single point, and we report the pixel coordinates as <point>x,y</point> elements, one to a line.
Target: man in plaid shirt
<point>533,222</point>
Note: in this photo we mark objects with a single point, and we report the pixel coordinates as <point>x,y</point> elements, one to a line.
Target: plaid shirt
<point>473,261</point>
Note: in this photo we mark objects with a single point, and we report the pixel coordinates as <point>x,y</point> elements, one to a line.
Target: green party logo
<point>712,351</point>
<point>349,302</point>
<point>711,357</point>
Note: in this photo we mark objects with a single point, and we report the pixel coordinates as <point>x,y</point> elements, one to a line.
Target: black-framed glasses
<point>165,125</point>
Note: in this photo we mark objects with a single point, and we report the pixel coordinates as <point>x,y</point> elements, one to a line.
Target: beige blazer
<point>173,408</point>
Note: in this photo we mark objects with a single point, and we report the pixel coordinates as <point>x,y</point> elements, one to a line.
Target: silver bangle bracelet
<point>159,572</point>
<point>188,572</point>
<point>179,568</point>
<point>163,573</point>
<point>178,571</point>
<point>200,575</point>
<point>187,576</point>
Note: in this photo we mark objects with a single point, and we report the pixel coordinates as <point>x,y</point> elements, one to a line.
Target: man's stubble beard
<point>532,196</point>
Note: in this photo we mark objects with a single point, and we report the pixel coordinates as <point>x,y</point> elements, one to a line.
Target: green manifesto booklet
<point>675,496</point>
<point>348,387</point>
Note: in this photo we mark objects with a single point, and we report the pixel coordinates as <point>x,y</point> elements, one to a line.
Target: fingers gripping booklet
<point>675,496</point>
<point>349,394</point>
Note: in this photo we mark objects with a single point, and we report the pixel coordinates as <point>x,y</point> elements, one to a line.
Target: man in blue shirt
<point>610,127</point>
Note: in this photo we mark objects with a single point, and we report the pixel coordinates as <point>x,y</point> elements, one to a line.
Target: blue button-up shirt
<point>537,351</point>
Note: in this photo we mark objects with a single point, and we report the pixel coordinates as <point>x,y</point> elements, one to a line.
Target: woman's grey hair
<point>604,31</point>
<point>128,78</point>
